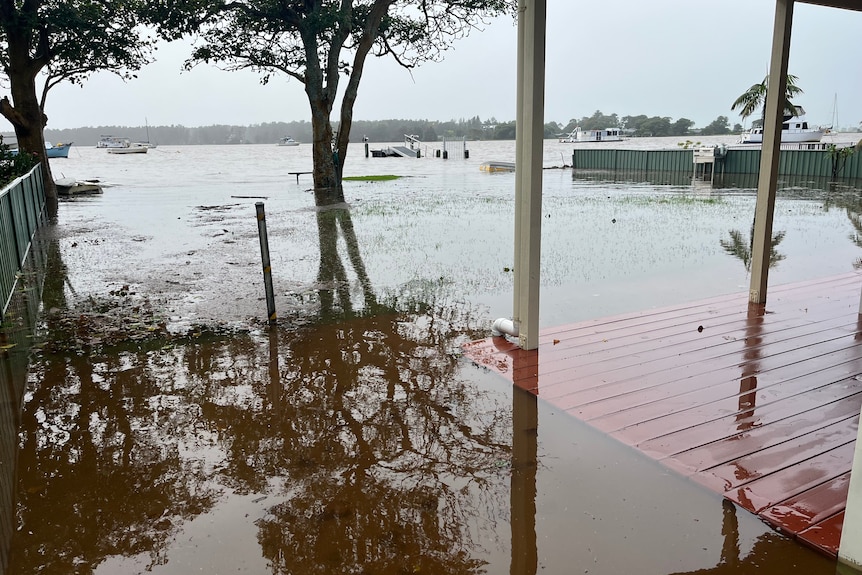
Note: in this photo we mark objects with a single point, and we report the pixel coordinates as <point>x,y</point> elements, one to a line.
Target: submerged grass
<point>380,178</point>
<point>675,200</point>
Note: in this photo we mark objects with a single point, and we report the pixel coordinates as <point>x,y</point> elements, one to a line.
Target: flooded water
<point>353,437</point>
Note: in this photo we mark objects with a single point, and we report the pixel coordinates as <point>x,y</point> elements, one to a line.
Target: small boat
<point>71,186</point>
<point>130,149</point>
<point>607,135</point>
<point>51,151</point>
<point>57,151</point>
<point>147,143</point>
<point>497,166</point>
<point>287,141</point>
<point>794,129</point>
<point>112,142</point>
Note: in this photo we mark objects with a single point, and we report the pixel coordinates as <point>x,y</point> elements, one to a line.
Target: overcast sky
<point>676,58</point>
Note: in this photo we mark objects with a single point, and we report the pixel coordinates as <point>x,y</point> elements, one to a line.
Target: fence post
<point>267,267</point>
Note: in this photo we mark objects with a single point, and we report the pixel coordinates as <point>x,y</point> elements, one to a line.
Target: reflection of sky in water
<point>607,246</point>
<point>622,245</point>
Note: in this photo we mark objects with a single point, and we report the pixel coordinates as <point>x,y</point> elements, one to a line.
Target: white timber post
<point>530,128</point>
<point>519,150</point>
<point>850,549</point>
<point>770,150</point>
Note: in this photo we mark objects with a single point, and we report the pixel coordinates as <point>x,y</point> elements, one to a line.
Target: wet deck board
<point>759,403</point>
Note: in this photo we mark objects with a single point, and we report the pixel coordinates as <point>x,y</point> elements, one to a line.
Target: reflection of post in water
<point>750,366</point>
<point>274,390</point>
<point>730,531</point>
<point>332,275</point>
<point>739,248</point>
<point>525,428</point>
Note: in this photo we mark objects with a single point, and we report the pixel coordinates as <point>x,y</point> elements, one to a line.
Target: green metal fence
<point>804,163</point>
<point>22,210</point>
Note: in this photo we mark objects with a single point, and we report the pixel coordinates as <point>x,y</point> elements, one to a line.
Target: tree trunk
<point>25,114</point>
<point>327,165</point>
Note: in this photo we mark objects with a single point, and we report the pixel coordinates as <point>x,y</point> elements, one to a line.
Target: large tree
<point>319,43</point>
<point>45,42</point>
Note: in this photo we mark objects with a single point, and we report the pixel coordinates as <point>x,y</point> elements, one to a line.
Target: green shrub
<point>14,164</point>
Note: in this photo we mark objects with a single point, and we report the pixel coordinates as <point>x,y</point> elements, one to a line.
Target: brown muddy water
<point>174,432</point>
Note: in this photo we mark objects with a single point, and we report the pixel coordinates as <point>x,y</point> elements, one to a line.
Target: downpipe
<point>504,326</point>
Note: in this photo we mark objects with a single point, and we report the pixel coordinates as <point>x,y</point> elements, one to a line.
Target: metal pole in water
<point>267,267</point>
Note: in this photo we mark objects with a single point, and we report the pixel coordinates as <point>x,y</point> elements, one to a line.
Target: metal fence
<point>814,163</point>
<point>22,210</point>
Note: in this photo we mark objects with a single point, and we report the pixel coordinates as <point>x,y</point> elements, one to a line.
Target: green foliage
<point>12,164</point>
<point>755,97</point>
<point>839,157</point>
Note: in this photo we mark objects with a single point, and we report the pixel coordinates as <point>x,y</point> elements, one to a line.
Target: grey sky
<point>676,58</point>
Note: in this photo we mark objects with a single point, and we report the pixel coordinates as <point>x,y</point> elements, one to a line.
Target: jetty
<point>413,148</point>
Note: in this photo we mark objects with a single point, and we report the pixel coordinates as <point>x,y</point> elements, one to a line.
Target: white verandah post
<point>770,150</point>
<point>528,169</point>
<point>850,549</point>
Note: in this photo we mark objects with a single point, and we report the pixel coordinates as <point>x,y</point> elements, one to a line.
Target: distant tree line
<point>387,130</point>
<point>645,126</point>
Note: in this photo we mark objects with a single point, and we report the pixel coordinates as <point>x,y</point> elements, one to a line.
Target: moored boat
<point>794,129</point>
<point>130,149</point>
<point>579,135</point>
<point>287,141</point>
<point>51,151</point>
<point>57,151</point>
<point>112,142</point>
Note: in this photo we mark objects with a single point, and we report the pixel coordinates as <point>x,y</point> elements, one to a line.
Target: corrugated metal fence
<point>22,209</point>
<point>808,163</point>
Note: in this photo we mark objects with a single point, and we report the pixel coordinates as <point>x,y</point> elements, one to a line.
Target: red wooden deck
<point>759,403</point>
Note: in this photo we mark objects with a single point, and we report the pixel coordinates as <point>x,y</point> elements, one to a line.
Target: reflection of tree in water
<point>98,474</point>
<point>738,247</point>
<point>387,456</point>
<point>381,458</point>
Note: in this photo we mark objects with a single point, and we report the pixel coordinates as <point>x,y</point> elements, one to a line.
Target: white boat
<point>607,135</point>
<point>112,142</point>
<point>130,149</point>
<point>72,186</point>
<point>147,143</point>
<point>794,130</point>
<point>287,141</point>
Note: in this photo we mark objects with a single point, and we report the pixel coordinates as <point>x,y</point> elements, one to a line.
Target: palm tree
<point>755,97</point>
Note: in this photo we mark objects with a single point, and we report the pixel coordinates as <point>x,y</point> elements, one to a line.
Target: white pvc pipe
<point>504,326</point>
